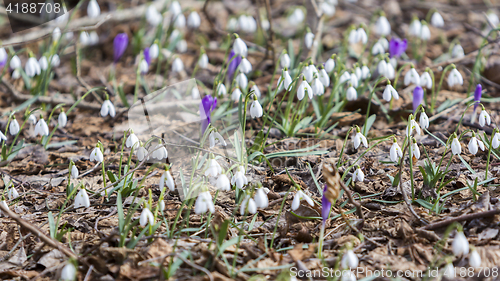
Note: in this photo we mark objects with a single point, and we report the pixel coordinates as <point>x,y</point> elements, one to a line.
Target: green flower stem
<point>489,153</point>
<point>370,101</point>
<point>121,153</point>
<point>399,73</point>
<point>339,163</point>
<point>434,94</point>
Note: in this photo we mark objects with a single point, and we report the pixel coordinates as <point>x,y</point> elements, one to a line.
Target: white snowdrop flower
<point>474,259</point>
<point>296,17</point>
<point>344,77</point>
<point>153,17</point>
<point>493,18</point>
<point>12,194</point>
<point>159,152</point>
<point>361,36</point>
<point>285,60</point>
<point>177,65</point>
<point>96,155</point>
<point>239,179</point>
<point>143,66</point>
<point>265,24</point>
<point>353,36</point>
<point>94,38</point>
<point>496,140</point>
<point>378,49</point>
<point>349,260</point>
<point>456,148</point>
<point>3,55</point>
<point>365,72</point>
<point>62,119</point>
<point>287,80</point>
<point>174,35</point>
<point>203,61</point>
<point>323,77</point>
<point>74,172</point>
<point>457,51</point>
<point>245,66</point>
<point>460,245</point>
<point>2,136</point>
<point>162,206</point>
<point>32,119</point>
<point>354,80</point>
<point>195,93</point>
<point>415,151</point>
<point>56,34</point>
<point>221,89</point>
<point>474,144</point>
<point>314,69</point>
<point>55,61</point>
<point>484,118</point>
<point>330,64</point>
<point>32,67</point>
<point>204,203</point>
<point>299,196</point>
<point>15,62</point>
<point>261,200</point>
<point>108,108</point>
<point>412,125</point>
<point>382,68</point>
<point>93,9</point>
<point>308,73</point>
<point>425,32</point>
<point>43,63</point>
<point>358,175</point>
<point>415,28</point>
<point>426,80</point>
<point>351,94</point>
<point>5,206</point>
<point>390,93</point>
<point>213,168</point>
<point>251,25</point>
<point>82,199</point>
<point>348,275</point>
<point>412,77</point>
<point>256,109</point>
<point>309,39</point>
<point>146,217</point>
<point>437,20</point>
<point>359,138</point>
<point>390,72</point>
<point>181,46</point>
<point>68,272</point>
<point>455,78</point>
<point>132,141</point>
<point>175,8</point>
<point>395,153</point>
<point>383,41</point>
<point>167,178</point>
<point>41,128</point>
<point>256,91</point>
<point>84,38</point>
<point>317,87</point>
<point>232,24</point>
<point>358,73</point>
<point>223,183</point>
<point>141,153</point>
<point>449,271</point>
<point>242,80</point>
<point>243,23</point>
<point>382,26</point>
<point>239,47</point>
<point>154,51</point>
<point>194,20</point>
<point>424,120</point>
<point>180,21</point>
<point>249,205</point>
<point>13,127</point>
<point>303,89</point>
<point>215,138</point>
<point>236,94</point>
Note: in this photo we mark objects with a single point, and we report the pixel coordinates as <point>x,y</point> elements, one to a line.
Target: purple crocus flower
<point>120,45</point>
<point>477,95</point>
<point>207,106</point>
<point>326,205</point>
<point>233,64</point>
<point>418,97</point>
<point>146,56</point>
<point>397,47</point>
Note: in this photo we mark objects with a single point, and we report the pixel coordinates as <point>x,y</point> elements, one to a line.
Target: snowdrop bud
<point>43,62</point>
<point>56,34</point>
<point>317,87</point>
<point>141,153</point>
<point>74,172</point>
<point>249,205</point>
<point>365,72</point>
<point>426,80</point>
<point>96,155</point>
<point>195,93</point>
<point>242,81</point>
<point>175,8</point>
<point>169,180</point>
<point>415,27</point>
<point>378,49</point>
<point>261,200</point>
<point>327,8</point>
<point>361,36</point>
<point>309,39</point>
<point>296,17</point>
<point>32,67</point>
<point>4,204</point>
<point>460,245</point>
<point>425,33</point>
<point>354,80</point>
<point>484,118</point>
<point>55,61</point>
<point>13,194</point>
<point>330,64</point>
<point>15,62</point>
<point>412,77</point>
<point>239,47</point>
<point>2,136</point>
<point>351,94</point>
<point>232,24</point>
<point>245,66</point>
<point>256,91</point>
<point>256,109</point>
<point>223,183</point>
<point>162,206</point>
<point>32,119</point>
<point>143,66</point>
<point>132,141</point>
<point>424,120</point>
<point>456,149</point>
<point>68,272</point>
<point>358,175</point>
<point>344,77</point>
<point>265,24</point>
<point>299,196</point>
<point>437,20</point>
<point>390,93</point>
<point>236,94</point>
<point>287,80</point>
<point>154,51</point>
<point>323,77</point>
<point>303,89</point>
<point>285,60</point>
<point>204,203</point>
<point>493,18</point>
<point>194,20</point>
<point>455,78</point>
<point>349,260</point>
<point>415,151</point>
<point>203,61</point>
<point>84,38</point>
<point>146,217</point>
<point>82,199</point>
<point>474,259</point>
<point>153,17</point>
<point>108,108</point>
<point>395,153</point>
<point>93,10</point>
<point>181,46</point>
<point>457,51</point>
<point>13,127</point>
<point>62,119</point>
<point>177,65</point>
<point>496,139</point>
<point>41,128</point>
<point>353,36</point>
<point>180,21</point>
<point>382,26</point>
<point>93,38</point>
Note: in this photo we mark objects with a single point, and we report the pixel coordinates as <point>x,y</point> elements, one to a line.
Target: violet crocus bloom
<point>477,95</point>
<point>418,97</point>
<point>146,56</point>
<point>120,45</point>
<point>397,47</point>
<point>233,64</point>
<point>326,205</point>
<point>207,106</point>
